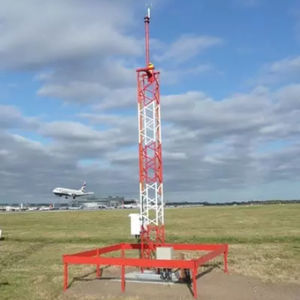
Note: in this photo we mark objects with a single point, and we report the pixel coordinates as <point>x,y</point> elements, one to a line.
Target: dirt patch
<point>212,285</point>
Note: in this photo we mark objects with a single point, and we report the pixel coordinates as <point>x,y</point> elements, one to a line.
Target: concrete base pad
<point>149,276</point>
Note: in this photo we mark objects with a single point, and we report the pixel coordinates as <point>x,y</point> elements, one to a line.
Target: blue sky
<point>230,93</point>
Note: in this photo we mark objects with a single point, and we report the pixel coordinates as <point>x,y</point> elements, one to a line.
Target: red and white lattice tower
<point>150,156</point>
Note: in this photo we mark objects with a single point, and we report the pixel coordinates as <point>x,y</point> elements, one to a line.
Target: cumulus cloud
<point>295,12</point>
<point>187,47</point>
<point>35,33</point>
<point>172,76</point>
<point>84,52</point>
<point>288,98</point>
<point>226,142</point>
<point>286,65</point>
<point>11,117</point>
<point>283,71</point>
<point>87,82</point>
<point>31,170</point>
<point>81,50</point>
<point>209,146</point>
<point>80,141</point>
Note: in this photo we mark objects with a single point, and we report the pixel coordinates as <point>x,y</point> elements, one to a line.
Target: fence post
<point>194,275</point>
<point>122,269</point>
<point>98,272</point>
<point>225,259</point>
<point>65,276</point>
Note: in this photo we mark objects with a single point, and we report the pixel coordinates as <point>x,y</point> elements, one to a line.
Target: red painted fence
<point>93,257</point>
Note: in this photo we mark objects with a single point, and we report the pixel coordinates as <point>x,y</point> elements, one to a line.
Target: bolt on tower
<point>150,154</point>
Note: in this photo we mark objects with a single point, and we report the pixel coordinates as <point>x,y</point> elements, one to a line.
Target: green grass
<point>264,242</point>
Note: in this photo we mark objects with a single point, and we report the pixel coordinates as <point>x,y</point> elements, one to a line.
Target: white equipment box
<point>135,224</point>
<point>164,253</point>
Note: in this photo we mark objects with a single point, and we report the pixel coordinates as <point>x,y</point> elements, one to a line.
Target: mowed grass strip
<point>235,224</point>
<point>264,242</point>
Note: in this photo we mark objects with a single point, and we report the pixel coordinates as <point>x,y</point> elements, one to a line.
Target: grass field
<point>264,242</point>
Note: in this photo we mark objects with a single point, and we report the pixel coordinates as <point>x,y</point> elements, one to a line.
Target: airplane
<point>133,205</point>
<point>71,192</point>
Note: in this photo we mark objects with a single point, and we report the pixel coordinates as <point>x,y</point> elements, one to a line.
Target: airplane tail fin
<point>83,186</point>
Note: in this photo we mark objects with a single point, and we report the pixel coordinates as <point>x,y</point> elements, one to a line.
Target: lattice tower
<point>150,153</point>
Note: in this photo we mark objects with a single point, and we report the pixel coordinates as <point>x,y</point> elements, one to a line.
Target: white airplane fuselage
<point>70,192</point>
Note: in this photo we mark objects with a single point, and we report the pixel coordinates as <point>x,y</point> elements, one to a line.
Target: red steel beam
<point>110,248</point>
<point>205,258</point>
<point>193,247</point>
<point>203,247</point>
<point>134,262</point>
<point>86,253</point>
<point>98,251</point>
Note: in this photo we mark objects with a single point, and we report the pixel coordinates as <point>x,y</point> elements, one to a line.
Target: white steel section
<point>151,196</point>
<point>162,208</point>
<point>152,211</point>
<point>139,121</point>
<point>158,125</point>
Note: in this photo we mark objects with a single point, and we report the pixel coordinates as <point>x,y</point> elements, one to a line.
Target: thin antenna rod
<point>147,21</point>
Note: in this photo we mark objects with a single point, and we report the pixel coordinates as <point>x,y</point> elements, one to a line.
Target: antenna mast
<point>150,154</point>
<point>147,22</point>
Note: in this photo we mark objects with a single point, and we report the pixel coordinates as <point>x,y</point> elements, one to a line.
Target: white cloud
<point>11,117</point>
<point>209,146</point>
<point>173,76</point>
<point>286,65</point>
<point>35,33</point>
<point>286,70</point>
<point>111,120</point>
<point>83,52</point>
<point>222,138</point>
<point>74,91</point>
<point>295,12</point>
<point>68,131</point>
<point>99,82</point>
<point>186,47</point>
<point>288,98</point>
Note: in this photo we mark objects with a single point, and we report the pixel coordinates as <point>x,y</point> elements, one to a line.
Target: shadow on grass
<point>85,276</point>
<point>210,267</point>
<point>3,283</point>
